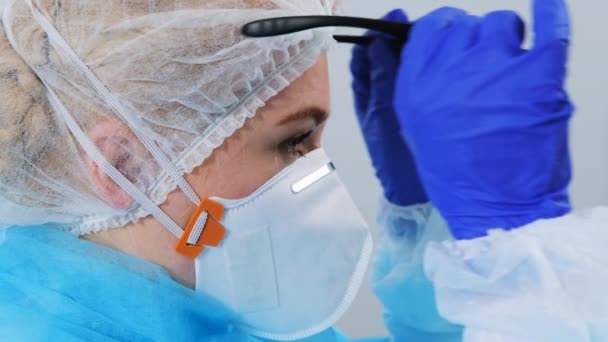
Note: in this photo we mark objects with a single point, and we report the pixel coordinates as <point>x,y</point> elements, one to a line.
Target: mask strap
<point>109,169</point>
<point>203,229</point>
<point>3,5</point>
<point>166,165</point>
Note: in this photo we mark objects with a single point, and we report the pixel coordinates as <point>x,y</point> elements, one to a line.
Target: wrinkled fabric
<point>176,75</point>
<point>79,291</point>
<point>398,278</point>
<point>55,287</point>
<point>544,282</point>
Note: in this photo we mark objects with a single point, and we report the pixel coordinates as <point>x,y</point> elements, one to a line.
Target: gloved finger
<point>384,59</point>
<point>464,34</point>
<point>429,34</point>
<point>396,15</point>
<point>551,21</point>
<point>377,58</point>
<point>359,64</point>
<point>504,30</point>
<point>383,54</point>
<point>360,70</point>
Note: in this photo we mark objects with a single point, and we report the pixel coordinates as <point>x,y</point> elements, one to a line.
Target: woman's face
<point>287,127</point>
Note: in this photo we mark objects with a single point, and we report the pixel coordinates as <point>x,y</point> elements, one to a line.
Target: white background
<point>588,79</point>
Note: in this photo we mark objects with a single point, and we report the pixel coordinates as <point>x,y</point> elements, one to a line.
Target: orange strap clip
<point>203,229</point>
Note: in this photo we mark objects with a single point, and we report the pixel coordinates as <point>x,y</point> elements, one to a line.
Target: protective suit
<point>533,284</point>
<point>75,290</point>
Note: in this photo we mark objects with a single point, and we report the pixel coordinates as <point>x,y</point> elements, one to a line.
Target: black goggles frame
<point>286,25</point>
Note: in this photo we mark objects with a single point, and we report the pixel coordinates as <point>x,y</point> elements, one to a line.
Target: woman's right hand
<point>487,121</point>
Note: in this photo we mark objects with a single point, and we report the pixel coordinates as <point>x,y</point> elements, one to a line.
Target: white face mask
<point>294,255</point>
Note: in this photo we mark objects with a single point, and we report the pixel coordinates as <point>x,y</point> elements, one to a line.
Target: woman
<point>164,180</point>
<point>134,115</point>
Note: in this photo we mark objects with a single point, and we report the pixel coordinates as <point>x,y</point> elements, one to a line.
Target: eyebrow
<point>318,114</point>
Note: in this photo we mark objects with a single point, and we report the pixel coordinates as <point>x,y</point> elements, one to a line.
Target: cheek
<point>238,176</point>
<point>237,185</point>
<point>255,171</point>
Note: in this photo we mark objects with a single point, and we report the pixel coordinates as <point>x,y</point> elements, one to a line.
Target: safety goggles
<point>286,25</point>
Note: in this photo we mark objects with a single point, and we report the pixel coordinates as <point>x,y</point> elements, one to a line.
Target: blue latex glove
<point>374,70</point>
<point>487,120</point>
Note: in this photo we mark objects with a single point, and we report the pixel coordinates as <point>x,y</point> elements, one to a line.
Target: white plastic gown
<point>543,282</point>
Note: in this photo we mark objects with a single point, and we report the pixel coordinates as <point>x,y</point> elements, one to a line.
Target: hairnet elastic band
<point>55,37</point>
<point>99,159</point>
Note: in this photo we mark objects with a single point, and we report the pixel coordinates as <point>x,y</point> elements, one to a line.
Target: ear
<point>113,139</point>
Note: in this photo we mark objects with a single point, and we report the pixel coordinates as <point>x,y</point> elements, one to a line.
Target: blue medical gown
<point>541,283</point>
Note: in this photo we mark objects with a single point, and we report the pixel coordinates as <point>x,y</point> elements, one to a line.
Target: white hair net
<point>176,72</point>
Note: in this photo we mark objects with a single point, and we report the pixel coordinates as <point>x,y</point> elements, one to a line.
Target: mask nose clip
<point>313,178</point>
<point>203,229</point>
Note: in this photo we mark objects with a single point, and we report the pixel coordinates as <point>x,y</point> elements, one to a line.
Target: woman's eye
<point>292,145</point>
